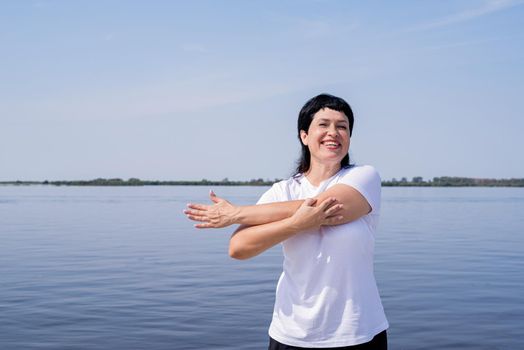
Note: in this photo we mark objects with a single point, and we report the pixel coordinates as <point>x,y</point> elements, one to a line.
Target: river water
<point>121,268</point>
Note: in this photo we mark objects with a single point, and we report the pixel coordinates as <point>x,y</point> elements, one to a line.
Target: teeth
<point>331,144</point>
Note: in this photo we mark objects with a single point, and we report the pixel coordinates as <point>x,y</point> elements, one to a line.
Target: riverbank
<point>444,181</point>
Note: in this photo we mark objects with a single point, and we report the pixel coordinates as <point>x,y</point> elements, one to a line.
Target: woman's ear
<point>303,137</point>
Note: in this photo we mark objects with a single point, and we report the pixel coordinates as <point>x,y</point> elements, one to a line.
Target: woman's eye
<point>342,127</point>
<point>322,124</point>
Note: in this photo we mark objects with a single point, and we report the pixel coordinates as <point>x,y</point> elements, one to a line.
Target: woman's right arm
<point>222,213</point>
<point>249,241</point>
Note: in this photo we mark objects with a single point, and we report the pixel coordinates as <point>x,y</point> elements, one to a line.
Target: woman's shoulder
<point>360,170</point>
<point>360,176</point>
<point>366,180</point>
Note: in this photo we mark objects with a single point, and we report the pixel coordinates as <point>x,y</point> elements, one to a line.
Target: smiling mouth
<point>330,144</point>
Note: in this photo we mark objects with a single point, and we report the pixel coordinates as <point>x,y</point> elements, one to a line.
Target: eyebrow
<point>328,120</point>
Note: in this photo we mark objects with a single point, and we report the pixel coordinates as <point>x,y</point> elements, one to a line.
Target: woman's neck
<point>320,172</point>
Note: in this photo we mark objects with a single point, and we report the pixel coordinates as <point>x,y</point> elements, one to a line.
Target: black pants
<point>379,342</point>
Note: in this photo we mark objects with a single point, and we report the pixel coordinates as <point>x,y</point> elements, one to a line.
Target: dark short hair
<point>305,117</point>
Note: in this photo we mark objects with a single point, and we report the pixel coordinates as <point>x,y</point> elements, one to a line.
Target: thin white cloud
<point>154,100</point>
<point>488,7</point>
<point>453,45</point>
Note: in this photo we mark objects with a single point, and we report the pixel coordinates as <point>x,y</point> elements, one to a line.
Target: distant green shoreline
<point>444,181</point>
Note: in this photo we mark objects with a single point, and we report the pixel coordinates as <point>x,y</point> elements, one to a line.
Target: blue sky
<point>212,89</point>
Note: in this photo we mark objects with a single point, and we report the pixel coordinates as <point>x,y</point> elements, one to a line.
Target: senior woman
<point>325,216</point>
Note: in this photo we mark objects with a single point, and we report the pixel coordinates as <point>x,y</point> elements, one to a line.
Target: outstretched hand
<point>308,216</point>
<point>219,214</point>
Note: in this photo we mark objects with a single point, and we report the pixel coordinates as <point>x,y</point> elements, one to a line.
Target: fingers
<point>327,203</point>
<point>195,212</point>
<point>310,202</point>
<point>201,213</point>
<point>205,225</point>
<point>197,215</point>
<point>334,209</point>
<point>333,220</point>
<point>198,206</point>
<point>213,197</point>
<point>197,218</point>
<point>204,222</point>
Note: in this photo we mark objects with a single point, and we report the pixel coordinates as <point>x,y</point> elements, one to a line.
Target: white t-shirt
<point>327,295</point>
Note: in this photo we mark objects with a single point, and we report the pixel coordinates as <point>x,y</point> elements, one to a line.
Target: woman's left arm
<point>222,213</point>
<point>354,204</point>
<point>351,205</point>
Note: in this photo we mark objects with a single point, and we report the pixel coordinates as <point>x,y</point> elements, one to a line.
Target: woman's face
<point>328,136</point>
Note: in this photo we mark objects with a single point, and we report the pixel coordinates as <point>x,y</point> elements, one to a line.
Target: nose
<point>332,131</point>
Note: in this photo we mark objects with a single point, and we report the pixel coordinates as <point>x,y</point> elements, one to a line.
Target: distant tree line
<point>417,181</point>
<point>137,182</point>
<point>450,181</point>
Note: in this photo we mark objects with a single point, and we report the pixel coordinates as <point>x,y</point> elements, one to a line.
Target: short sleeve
<point>277,193</point>
<point>366,180</point>
<point>268,197</point>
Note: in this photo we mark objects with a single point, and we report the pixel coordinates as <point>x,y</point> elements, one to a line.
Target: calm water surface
<point>121,268</point>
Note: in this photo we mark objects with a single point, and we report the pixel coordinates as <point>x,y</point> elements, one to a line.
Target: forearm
<point>354,206</point>
<point>266,213</point>
<point>222,213</point>
<point>249,241</point>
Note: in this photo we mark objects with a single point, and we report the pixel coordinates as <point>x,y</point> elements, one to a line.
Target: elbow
<point>238,255</point>
<point>236,251</point>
